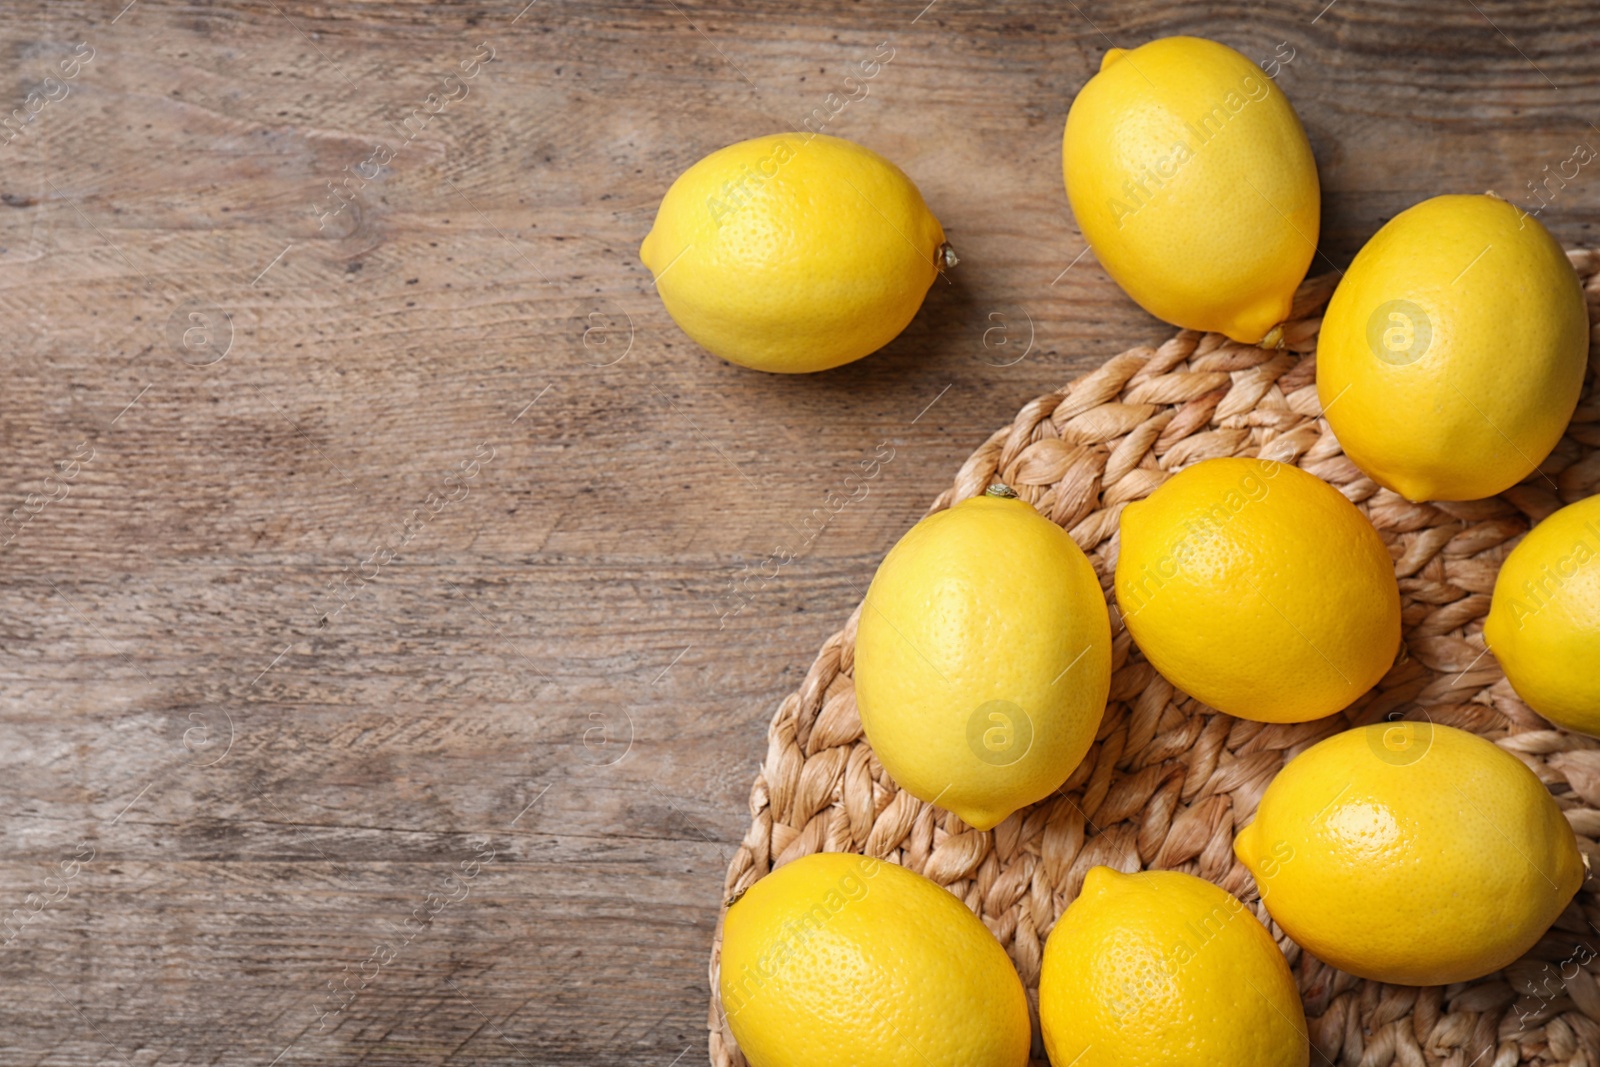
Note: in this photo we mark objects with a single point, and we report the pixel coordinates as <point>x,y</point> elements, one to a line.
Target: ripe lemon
<point>1411,853</point>
<point>983,658</point>
<point>836,960</point>
<point>1258,589</point>
<point>1544,620</point>
<point>1452,353</point>
<point>794,252</point>
<point>1192,180</point>
<point>1163,968</point>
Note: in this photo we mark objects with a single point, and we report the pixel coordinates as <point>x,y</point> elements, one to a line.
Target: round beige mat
<point>1169,780</point>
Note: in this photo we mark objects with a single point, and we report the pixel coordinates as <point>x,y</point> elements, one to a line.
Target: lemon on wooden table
<point>794,252</point>
<point>837,960</point>
<point>1451,355</point>
<point>1257,588</point>
<point>1192,179</point>
<point>983,658</point>
<point>1544,619</point>
<point>1411,852</point>
<point>1163,969</point>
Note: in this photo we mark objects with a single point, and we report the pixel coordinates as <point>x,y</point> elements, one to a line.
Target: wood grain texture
<point>284,675</point>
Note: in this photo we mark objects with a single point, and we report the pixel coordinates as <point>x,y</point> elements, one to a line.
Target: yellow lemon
<point>836,960</point>
<point>1411,853</point>
<point>1544,620</point>
<point>794,252</point>
<point>1452,353</point>
<point>1162,969</point>
<point>1258,589</point>
<point>983,658</point>
<point>1191,178</point>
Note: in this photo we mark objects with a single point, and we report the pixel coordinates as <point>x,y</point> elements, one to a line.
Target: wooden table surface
<point>390,606</point>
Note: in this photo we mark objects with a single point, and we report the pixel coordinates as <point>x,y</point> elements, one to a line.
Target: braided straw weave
<point>1168,780</point>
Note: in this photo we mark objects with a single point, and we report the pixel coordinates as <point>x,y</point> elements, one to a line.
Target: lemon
<point>835,960</point>
<point>983,658</point>
<point>1411,853</point>
<point>1163,968</point>
<point>1192,180</point>
<point>1544,620</point>
<point>1452,353</point>
<point>1258,589</point>
<point>794,252</point>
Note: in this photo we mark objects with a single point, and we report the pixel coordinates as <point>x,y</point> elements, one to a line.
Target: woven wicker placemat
<point>1169,780</point>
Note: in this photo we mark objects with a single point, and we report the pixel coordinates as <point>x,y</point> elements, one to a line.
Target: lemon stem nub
<point>1003,491</point>
<point>1273,339</point>
<point>944,257</point>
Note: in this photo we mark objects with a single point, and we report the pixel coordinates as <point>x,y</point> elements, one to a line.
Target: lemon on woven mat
<point>1258,589</point>
<point>1163,968</point>
<point>1411,852</point>
<point>1192,179</point>
<point>1451,356</point>
<point>837,960</point>
<point>983,658</point>
<point>794,252</point>
<point>1544,620</point>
